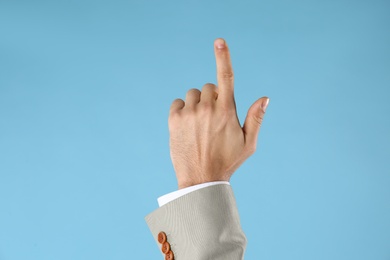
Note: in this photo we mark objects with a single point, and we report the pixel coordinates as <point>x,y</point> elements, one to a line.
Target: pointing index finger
<point>225,75</point>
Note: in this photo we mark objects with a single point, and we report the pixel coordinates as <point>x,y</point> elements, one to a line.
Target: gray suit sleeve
<point>203,224</point>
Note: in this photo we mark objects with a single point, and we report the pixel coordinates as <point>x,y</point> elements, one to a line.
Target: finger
<point>176,105</point>
<point>225,75</point>
<point>209,93</point>
<point>253,122</point>
<point>192,97</point>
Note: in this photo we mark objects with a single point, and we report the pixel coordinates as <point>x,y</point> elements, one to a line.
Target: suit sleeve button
<point>162,237</point>
<point>165,247</point>
<point>169,256</point>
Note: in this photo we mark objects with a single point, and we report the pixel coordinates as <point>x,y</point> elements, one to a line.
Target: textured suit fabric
<point>203,224</point>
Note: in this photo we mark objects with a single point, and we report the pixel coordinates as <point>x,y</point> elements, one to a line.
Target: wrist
<point>188,183</point>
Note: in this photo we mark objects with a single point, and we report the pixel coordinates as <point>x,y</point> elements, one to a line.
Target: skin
<point>207,142</point>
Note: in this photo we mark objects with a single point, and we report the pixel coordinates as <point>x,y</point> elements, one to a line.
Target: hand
<point>207,142</point>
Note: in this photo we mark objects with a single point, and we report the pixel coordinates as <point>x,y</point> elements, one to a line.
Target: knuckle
<point>193,91</point>
<point>176,106</point>
<point>227,75</point>
<point>177,102</point>
<point>209,86</point>
<point>258,119</point>
<point>193,94</point>
<point>250,148</point>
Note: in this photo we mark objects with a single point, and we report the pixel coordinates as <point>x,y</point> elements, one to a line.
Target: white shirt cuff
<point>176,194</point>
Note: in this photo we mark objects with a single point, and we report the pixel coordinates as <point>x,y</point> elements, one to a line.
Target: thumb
<point>253,122</point>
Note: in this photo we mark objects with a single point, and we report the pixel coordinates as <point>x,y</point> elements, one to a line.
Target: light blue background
<point>85,88</point>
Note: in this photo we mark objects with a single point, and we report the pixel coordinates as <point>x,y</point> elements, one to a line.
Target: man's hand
<point>207,142</point>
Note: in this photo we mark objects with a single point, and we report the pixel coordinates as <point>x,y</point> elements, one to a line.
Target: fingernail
<point>265,104</point>
<point>220,44</point>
